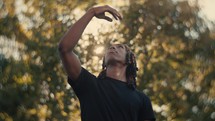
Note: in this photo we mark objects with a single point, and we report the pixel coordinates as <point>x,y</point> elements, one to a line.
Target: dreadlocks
<point>131,70</point>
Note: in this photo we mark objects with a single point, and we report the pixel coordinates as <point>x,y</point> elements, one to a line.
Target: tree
<point>173,45</point>
<point>34,87</point>
<point>176,52</point>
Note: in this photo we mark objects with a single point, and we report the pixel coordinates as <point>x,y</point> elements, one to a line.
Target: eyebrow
<point>110,45</point>
<point>117,45</point>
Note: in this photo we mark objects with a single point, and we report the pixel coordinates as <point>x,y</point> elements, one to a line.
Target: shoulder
<point>83,77</point>
<point>143,96</point>
<point>85,71</point>
<point>85,83</point>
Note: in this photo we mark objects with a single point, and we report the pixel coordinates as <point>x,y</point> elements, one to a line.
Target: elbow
<point>65,45</point>
<point>60,47</point>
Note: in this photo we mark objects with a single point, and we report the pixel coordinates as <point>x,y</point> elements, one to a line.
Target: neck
<point>117,71</point>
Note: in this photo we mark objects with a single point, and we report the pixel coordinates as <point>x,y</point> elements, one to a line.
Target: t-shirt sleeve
<point>146,112</point>
<point>83,84</point>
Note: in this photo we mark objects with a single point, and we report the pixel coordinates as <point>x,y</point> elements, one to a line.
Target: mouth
<point>112,52</point>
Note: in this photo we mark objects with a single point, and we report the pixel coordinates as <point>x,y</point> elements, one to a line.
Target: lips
<point>114,52</point>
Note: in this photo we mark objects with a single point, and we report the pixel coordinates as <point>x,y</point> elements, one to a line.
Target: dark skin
<point>115,57</point>
<point>115,64</point>
<point>66,46</point>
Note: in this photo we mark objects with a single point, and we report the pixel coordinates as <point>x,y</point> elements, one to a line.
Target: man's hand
<point>99,12</point>
<point>70,61</point>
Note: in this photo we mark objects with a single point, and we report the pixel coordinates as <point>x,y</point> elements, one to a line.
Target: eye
<point>120,46</point>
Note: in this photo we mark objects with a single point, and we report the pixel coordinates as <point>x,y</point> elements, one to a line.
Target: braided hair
<point>131,70</point>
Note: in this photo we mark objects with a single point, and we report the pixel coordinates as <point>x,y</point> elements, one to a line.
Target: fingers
<point>116,17</point>
<point>114,13</point>
<point>99,12</point>
<point>108,18</point>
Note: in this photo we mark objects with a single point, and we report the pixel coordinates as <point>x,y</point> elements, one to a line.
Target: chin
<point>113,61</point>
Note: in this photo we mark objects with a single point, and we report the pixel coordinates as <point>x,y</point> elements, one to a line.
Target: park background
<point>174,42</point>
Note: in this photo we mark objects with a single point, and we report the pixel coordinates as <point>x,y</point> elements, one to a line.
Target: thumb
<point>108,18</point>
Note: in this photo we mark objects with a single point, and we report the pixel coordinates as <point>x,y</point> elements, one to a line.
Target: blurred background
<point>174,41</point>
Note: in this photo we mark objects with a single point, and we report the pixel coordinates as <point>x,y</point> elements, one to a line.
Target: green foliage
<point>175,51</point>
<point>177,54</point>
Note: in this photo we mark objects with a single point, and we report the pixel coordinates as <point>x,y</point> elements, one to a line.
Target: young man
<point>112,95</point>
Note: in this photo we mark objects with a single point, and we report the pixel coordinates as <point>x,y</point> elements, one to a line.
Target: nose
<point>113,47</point>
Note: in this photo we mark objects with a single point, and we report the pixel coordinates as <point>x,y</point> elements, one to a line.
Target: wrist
<point>91,11</point>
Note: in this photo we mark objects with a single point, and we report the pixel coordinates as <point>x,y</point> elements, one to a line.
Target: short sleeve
<point>146,112</point>
<point>83,83</point>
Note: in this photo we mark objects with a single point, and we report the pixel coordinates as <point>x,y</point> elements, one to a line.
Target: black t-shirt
<point>108,99</point>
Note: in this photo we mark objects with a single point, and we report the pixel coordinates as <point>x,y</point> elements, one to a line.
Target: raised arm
<point>70,39</point>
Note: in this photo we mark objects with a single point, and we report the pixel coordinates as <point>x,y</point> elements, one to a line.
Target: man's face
<point>115,54</point>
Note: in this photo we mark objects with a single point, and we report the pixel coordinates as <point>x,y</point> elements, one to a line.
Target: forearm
<point>70,39</point>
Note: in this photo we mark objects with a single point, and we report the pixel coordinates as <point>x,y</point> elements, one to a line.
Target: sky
<point>207,11</point>
<point>208,8</point>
